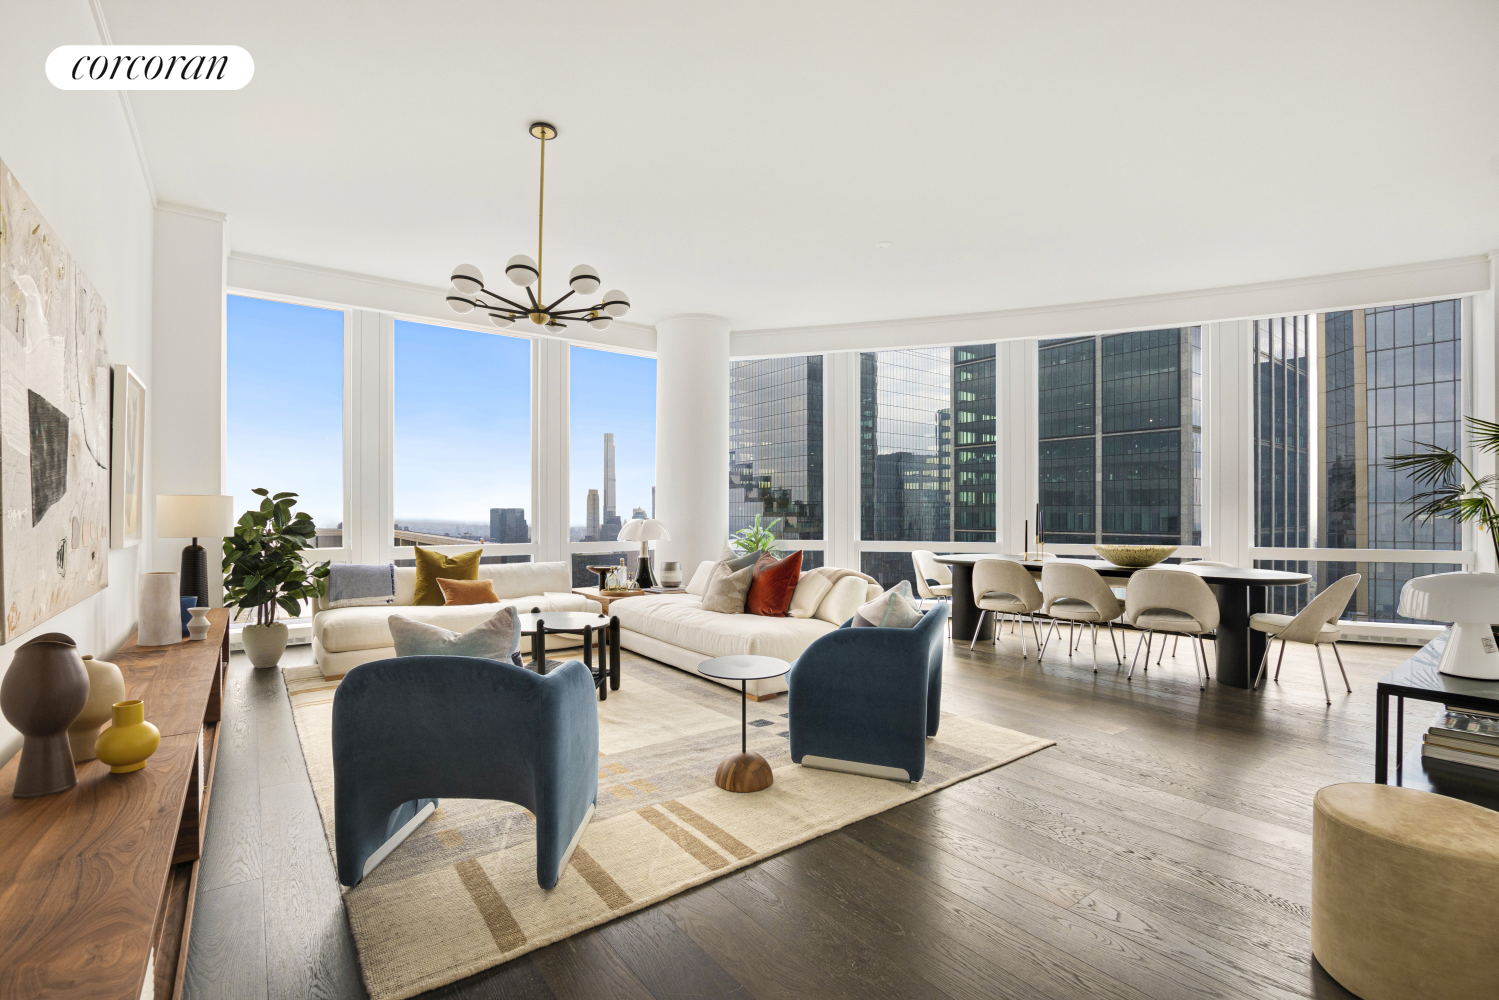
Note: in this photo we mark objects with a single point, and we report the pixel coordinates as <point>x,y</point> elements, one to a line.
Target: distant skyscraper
<point>1121,437</point>
<point>609,530</point>
<point>593,516</point>
<point>507,526</point>
<point>609,504</point>
<point>639,514</point>
<point>775,445</point>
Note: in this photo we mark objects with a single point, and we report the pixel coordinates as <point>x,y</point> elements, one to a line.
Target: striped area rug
<point>460,895</point>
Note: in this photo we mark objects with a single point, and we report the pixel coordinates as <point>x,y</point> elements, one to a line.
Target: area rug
<point>460,895</point>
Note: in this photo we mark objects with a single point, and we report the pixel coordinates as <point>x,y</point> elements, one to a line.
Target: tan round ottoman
<point>1405,893</point>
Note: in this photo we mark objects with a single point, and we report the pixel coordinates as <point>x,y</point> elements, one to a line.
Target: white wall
<point>74,155</point>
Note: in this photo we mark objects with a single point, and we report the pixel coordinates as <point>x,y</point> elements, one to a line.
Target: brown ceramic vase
<point>43,692</point>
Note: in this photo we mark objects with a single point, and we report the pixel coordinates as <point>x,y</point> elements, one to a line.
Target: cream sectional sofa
<point>674,629</point>
<point>343,638</point>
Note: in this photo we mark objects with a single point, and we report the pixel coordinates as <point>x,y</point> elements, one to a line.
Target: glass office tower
<point>775,447</point>
<point>1120,426</point>
<point>927,451</point>
<point>1387,381</point>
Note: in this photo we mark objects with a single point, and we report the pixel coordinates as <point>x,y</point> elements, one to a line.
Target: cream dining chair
<point>1076,594</point>
<point>1317,625</point>
<point>933,579</point>
<point>1193,564</point>
<point>1170,601</point>
<point>1005,587</point>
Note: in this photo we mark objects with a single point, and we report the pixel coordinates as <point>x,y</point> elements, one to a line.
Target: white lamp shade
<point>194,516</point>
<point>521,270</point>
<point>459,304</point>
<point>1452,597</point>
<point>616,303</point>
<point>467,279</point>
<point>501,320</point>
<point>643,529</point>
<point>599,322</point>
<point>584,280</point>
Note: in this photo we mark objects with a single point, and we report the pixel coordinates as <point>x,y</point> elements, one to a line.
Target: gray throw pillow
<point>497,638</point>
<point>892,609</point>
<point>726,592</point>
<point>729,563</point>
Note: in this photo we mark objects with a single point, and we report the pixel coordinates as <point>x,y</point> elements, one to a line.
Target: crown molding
<point>1319,293</point>
<point>135,133</point>
<point>328,287</point>
<point>196,213</point>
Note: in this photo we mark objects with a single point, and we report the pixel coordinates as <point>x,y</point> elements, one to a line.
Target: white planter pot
<point>161,610</point>
<point>264,644</point>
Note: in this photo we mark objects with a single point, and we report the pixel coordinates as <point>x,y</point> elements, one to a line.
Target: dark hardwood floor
<point>1162,849</point>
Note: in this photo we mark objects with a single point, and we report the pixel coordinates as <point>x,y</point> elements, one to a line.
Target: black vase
<point>643,574</point>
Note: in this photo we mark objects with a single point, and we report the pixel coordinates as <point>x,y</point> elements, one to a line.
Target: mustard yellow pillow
<point>430,566</point>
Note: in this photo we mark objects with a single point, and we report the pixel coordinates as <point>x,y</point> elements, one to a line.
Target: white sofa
<point>343,638</point>
<point>674,629</point>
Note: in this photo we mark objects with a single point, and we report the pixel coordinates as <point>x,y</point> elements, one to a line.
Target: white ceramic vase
<point>105,687</point>
<point>197,626</point>
<point>264,644</point>
<point>161,610</point>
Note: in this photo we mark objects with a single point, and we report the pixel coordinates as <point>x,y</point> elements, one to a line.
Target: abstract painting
<point>54,422</point>
<point>128,446</point>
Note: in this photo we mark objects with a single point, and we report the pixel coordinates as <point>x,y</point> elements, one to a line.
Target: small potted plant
<point>264,570</point>
<point>759,538</point>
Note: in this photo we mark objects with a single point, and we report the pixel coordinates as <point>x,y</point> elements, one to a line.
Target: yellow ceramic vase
<point>129,740</point>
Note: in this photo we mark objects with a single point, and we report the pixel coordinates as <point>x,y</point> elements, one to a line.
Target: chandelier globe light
<point>468,291</point>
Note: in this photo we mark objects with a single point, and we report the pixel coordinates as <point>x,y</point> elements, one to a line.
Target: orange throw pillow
<point>467,591</point>
<point>773,583</point>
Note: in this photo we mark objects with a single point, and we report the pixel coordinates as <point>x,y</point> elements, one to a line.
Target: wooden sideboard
<point>97,883</point>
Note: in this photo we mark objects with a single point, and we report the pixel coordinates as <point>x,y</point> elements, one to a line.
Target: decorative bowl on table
<point>1134,556</point>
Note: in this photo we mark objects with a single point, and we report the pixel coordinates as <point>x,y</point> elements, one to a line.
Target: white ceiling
<point>744,158</point>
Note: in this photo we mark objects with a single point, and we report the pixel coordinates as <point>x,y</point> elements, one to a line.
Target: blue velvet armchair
<point>411,729</point>
<point>864,700</point>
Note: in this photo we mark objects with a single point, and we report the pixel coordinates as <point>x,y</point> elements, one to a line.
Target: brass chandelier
<point>469,292</point>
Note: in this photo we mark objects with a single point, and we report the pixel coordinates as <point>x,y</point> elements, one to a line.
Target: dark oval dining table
<point>1240,592</point>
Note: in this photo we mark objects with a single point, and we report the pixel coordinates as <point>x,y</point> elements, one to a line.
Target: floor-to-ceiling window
<point>612,455</point>
<point>926,452</point>
<point>285,390</point>
<point>1120,427</point>
<point>776,450</point>
<point>1385,381</point>
<point>462,438</point>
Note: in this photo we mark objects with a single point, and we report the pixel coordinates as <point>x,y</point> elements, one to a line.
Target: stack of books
<point>1468,736</point>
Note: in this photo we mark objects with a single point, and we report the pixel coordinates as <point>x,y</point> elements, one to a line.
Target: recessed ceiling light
<point>882,245</point>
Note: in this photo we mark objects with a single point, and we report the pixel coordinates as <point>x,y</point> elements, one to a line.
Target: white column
<point>550,437</point>
<point>1482,377</point>
<point>840,463</point>
<point>1228,442</point>
<point>189,436</point>
<point>1016,385</point>
<point>692,437</point>
<point>369,435</point>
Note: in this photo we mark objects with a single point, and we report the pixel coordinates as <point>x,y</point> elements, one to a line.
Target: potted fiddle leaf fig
<point>264,570</point>
<point>759,538</point>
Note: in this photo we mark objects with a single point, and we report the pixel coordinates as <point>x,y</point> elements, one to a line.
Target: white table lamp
<point>1470,601</point>
<point>644,530</point>
<point>194,516</point>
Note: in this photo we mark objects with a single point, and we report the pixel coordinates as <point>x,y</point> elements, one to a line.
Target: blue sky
<point>462,416</point>
<point>285,404</point>
<point>613,393</point>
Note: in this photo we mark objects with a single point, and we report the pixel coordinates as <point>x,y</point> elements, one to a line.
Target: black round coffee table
<point>743,771</point>
<point>592,627</point>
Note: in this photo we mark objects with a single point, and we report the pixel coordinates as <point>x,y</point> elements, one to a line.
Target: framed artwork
<point>54,421</point>
<point>127,450</point>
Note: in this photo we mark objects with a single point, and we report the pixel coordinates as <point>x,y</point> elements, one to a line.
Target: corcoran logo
<point>149,67</point>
